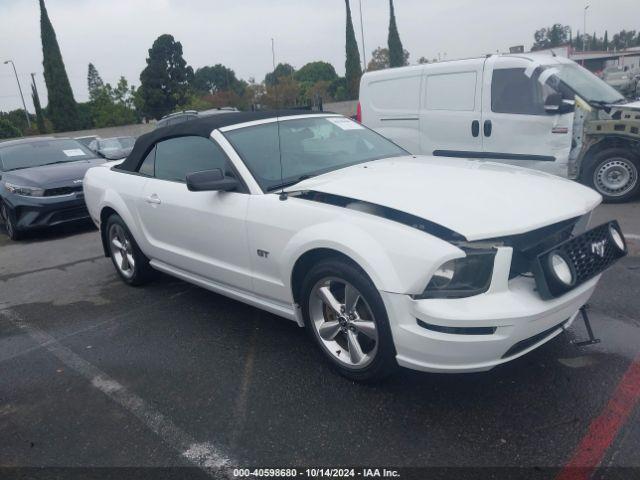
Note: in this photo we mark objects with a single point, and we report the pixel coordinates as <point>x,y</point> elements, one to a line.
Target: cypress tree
<point>62,108</point>
<point>605,42</point>
<point>353,69</point>
<point>36,104</point>
<point>396,52</point>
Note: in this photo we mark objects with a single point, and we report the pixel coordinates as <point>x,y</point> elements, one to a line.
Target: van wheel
<point>613,173</point>
<point>347,319</point>
<point>131,264</point>
<point>9,223</point>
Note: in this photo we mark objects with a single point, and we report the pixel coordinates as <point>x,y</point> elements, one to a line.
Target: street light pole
<point>26,113</point>
<point>584,33</point>
<point>364,50</point>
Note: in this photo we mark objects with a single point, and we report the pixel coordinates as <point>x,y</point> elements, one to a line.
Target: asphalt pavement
<point>94,373</point>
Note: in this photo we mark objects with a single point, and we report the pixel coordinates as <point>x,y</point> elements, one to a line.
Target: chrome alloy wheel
<point>121,250</point>
<point>616,176</point>
<point>344,322</point>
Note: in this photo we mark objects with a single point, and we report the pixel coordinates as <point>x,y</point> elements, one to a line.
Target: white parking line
<point>204,455</point>
<point>632,236</point>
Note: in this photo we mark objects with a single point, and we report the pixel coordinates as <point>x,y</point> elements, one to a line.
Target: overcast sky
<point>116,34</point>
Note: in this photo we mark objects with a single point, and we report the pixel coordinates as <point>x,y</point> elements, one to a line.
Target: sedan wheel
<point>344,322</point>
<point>122,251</point>
<point>9,226</point>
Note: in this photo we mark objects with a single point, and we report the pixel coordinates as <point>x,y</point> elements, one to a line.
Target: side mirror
<point>211,181</point>
<point>555,104</point>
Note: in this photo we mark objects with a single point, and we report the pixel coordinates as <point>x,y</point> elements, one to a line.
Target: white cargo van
<point>534,110</point>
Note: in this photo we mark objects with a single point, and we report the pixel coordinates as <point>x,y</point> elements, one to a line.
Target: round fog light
<point>561,269</point>
<point>617,237</point>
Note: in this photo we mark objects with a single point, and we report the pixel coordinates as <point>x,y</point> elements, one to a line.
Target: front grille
<point>69,214</point>
<point>589,255</point>
<point>54,192</point>
<point>586,262</point>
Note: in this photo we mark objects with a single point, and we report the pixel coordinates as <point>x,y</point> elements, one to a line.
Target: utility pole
<point>364,50</point>
<point>35,88</point>
<point>24,105</point>
<point>584,33</point>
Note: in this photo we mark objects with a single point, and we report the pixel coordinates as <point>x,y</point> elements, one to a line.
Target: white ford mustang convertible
<point>435,264</point>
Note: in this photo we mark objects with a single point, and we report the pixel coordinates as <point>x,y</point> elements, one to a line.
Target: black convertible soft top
<point>200,127</point>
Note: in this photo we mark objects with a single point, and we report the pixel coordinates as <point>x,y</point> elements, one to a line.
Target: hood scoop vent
<point>392,214</point>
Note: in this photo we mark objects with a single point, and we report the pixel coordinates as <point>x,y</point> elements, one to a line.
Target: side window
<point>177,157</point>
<point>514,92</point>
<point>451,91</point>
<point>148,165</point>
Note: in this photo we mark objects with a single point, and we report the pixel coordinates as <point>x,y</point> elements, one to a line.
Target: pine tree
<point>62,108</point>
<point>165,80</point>
<point>36,104</point>
<point>353,69</point>
<point>94,82</point>
<point>396,52</point>
<point>605,42</point>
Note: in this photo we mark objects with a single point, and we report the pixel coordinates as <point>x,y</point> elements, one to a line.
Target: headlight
<point>561,269</point>
<point>616,236</point>
<point>462,277</point>
<point>24,191</point>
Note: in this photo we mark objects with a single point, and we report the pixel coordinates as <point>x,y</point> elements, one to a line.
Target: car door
<point>516,128</point>
<point>202,233</point>
<point>451,110</point>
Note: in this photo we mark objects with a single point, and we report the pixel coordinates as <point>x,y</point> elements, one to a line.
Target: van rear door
<point>389,104</point>
<point>451,108</point>
<point>516,129</point>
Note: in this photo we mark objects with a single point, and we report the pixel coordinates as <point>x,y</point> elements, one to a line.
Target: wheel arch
<point>310,258</point>
<point>105,213</point>
<point>606,143</point>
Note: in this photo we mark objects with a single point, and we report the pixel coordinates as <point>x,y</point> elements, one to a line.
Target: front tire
<point>130,263</point>
<point>345,315</point>
<point>9,223</point>
<point>613,173</point>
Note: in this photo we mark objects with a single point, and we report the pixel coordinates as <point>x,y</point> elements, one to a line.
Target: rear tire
<point>129,261</point>
<point>9,223</point>
<point>354,335</point>
<point>613,173</point>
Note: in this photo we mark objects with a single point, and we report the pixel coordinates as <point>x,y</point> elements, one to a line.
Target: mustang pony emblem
<point>598,248</point>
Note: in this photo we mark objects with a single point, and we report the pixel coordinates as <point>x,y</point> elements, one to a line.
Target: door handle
<point>487,128</point>
<point>475,128</point>
<point>153,199</point>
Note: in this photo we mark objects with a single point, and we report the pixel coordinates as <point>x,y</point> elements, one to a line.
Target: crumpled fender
<point>398,258</point>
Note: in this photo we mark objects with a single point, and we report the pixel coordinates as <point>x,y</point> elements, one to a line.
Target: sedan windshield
<point>586,84</point>
<point>282,153</point>
<point>120,143</point>
<point>42,152</point>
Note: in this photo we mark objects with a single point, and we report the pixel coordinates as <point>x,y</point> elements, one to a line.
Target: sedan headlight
<point>462,277</point>
<point>24,190</point>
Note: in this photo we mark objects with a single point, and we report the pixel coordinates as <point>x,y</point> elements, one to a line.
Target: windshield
<point>121,143</point>
<point>585,84</point>
<point>42,152</point>
<point>309,146</point>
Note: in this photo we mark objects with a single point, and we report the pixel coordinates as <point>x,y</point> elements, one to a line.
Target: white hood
<point>479,200</point>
